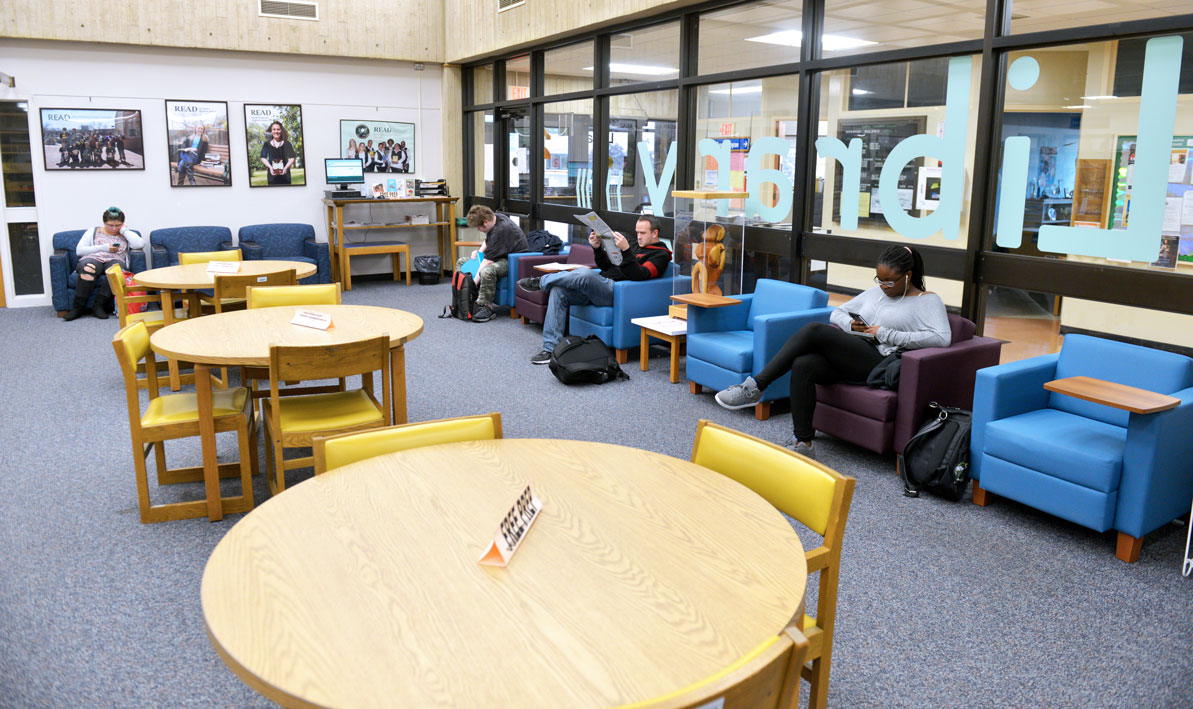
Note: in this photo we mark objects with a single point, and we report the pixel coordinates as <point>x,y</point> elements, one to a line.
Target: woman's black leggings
<point>818,354</point>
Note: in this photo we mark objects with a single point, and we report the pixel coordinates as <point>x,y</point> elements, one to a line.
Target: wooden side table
<point>667,329</point>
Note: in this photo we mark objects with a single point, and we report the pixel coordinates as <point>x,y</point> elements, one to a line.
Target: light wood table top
<point>704,300</point>
<point>360,587</point>
<point>1119,396</point>
<point>243,337</point>
<point>195,275</point>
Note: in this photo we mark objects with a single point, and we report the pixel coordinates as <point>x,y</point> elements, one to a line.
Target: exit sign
<point>726,129</point>
<point>517,92</point>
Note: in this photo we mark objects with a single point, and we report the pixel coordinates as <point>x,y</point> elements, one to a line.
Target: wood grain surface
<point>244,337</point>
<point>196,276</point>
<point>704,300</point>
<point>360,587</point>
<point>1119,396</point>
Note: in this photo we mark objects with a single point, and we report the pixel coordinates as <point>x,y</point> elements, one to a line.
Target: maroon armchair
<point>883,420</point>
<point>532,306</point>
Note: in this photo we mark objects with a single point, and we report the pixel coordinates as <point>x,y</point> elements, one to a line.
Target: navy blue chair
<point>166,243</point>
<point>63,263</point>
<point>286,242</point>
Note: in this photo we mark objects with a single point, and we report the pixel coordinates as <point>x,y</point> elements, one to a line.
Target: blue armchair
<point>63,263</point>
<point>728,344</point>
<point>166,243</point>
<point>286,242</point>
<point>631,299</point>
<point>1097,466</point>
<point>507,287</point>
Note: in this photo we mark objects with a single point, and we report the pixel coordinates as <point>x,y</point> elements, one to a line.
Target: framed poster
<point>384,146</point>
<point>273,136</point>
<point>197,139</point>
<point>88,138</point>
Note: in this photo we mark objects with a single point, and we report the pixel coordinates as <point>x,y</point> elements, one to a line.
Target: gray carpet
<point>941,604</point>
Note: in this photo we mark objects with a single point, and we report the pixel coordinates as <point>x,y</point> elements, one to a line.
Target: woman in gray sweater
<point>897,314</point>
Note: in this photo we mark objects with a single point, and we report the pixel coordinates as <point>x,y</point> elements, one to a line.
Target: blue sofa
<point>1101,467</point>
<point>631,299</point>
<point>730,343</point>
<point>165,244</point>
<point>286,242</point>
<point>63,263</point>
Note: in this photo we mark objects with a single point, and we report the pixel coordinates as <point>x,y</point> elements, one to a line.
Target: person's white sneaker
<point>740,396</point>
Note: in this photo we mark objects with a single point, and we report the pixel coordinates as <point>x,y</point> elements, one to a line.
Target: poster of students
<point>84,138</point>
<point>383,146</point>
<point>197,136</point>
<point>273,136</point>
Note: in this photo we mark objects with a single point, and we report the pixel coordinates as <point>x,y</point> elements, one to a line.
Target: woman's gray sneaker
<point>740,396</point>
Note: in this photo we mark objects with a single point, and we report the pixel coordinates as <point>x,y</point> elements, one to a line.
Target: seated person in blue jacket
<point>896,314</point>
<point>640,261</point>
<point>502,238</point>
<point>98,249</point>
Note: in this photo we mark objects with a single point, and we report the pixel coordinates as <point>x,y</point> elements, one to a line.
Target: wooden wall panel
<point>411,30</point>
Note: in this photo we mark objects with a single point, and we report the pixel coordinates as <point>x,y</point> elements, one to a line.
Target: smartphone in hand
<point>858,318</point>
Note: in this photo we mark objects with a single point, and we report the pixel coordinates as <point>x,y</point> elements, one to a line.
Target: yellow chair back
<point>336,451</point>
<point>186,258</point>
<point>274,296</point>
<point>132,345</point>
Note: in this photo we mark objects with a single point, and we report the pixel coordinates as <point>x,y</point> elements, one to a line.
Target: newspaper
<point>595,223</point>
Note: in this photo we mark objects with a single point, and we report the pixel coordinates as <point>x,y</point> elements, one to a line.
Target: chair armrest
<point>312,249</point>
<point>251,251</point>
<point>60,278</point>
<point>158,256</point>
<point>1003,391</point>
<point>511,273</point>
<point>1157,479</point>
<point>942,374</point>
<point>526,264</point>
<point>640,299</point>
<point>772,331</point>
<point>722,319</point>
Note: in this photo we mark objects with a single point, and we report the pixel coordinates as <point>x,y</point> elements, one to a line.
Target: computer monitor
<point>344,171</point>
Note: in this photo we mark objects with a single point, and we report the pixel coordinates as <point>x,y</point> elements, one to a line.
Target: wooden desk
<point>243,337</point>
<point>337,247</point>
<point>360,587</point>
<point>1119,396</point>
<point>194,277</point>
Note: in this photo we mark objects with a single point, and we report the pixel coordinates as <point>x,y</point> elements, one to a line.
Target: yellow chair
<point>275,296</point>
<point>294,420</point>
<point>152,319</point>
<point>187,258</point>
<point>336,451</point>
<point>766,678</point>
<point>173,416</point>
<point>229,291</point>
<point>811,492</point>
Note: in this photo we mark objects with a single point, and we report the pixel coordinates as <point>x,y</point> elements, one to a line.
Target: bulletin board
<point>879,138</point>
<point>1177,226</point>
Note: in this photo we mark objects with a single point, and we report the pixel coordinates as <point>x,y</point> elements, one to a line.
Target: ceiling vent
<point>289,9</point>
<point>503,5</point>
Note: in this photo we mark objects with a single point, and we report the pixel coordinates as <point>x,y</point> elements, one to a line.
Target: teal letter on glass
<point>1140,241</point>
<point>656,189</point>
<point>851,164</point>
<point>1012,191</point>
<point>759,176</point>
<point>719,151</point>
<point>950,150</point>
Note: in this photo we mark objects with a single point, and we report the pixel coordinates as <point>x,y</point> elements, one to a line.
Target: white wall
<point>82,75</point>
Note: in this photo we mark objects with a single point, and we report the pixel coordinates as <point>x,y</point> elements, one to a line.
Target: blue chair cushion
<point>1079,450</point>
<point>732,350</point>
<point>594,314</point>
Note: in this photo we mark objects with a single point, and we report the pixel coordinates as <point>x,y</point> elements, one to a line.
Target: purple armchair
<point>532,306</point>
<point>883,420</point>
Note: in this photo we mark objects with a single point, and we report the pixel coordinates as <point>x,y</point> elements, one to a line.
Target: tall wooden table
<point>445,223</point>
<point>643,573</point>
<point>243,338</point>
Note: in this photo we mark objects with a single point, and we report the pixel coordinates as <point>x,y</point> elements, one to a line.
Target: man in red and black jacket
<point>640,261</point>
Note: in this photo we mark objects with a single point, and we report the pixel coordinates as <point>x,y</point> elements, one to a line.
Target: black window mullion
<point>685,118</point>
<point>807,117</point>
<point>537,149</point>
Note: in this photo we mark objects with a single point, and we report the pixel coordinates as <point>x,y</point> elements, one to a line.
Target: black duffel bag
<point>584,360</point>
<point>936,458</point>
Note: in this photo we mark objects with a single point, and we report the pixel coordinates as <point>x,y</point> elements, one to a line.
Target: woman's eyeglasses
<point>887,284</point>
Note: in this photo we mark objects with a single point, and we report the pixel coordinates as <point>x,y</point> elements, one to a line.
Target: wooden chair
<point>275,296</point>
<point>766,678</point>
<point>153,319</point>
<point>294,420</point>
<point>811,492</point>
<point>336,451</point>
<point>186,258</point>
<point>229,291</point>
<point>173,416</point>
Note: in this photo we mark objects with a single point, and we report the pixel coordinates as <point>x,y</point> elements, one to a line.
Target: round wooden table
<point>361,587</point>
<point>243,337</point>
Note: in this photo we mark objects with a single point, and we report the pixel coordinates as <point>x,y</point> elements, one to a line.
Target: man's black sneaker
<point>543,357</point>
<point>482,314</point>
<point>529,285</point>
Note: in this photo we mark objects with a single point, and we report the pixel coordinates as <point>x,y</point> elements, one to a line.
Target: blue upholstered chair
<point>507,287</point>
<point>166,243</point>
<point>730,343</point>
<point>63,263</point>
<point>286,242</point>
<point>631,299</point>
<point>1101,467</point>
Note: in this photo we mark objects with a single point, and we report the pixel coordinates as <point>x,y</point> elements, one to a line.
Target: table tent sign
<point>223,267</point>
<point>312,319</point>
<point>512,530</point>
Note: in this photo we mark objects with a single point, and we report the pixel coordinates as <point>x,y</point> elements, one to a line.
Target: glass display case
<point>707,245</point>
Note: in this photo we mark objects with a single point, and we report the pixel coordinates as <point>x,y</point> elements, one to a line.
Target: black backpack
<point>544,241</point>
<point>584,360</point>
<point>463,305</point>
<point>936,458</point>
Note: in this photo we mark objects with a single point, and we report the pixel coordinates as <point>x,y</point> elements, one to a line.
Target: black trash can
<point>429,269</point>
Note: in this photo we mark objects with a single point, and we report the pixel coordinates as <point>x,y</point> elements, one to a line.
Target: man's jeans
<point>580,287</point>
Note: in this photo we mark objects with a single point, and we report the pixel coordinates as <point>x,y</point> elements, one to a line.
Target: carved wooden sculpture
<point>710,261</point>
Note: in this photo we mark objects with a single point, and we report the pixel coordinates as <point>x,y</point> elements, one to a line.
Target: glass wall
<point>16,154</point>
<point>482,84</point>
<point>517,135</point>
<point>482,153</point>
<point>642,131</point>
<point>647,54</point>
<point>517,77</point>
<point>567,153</point>
<point>563,69</point>
<point>748,36</point>
<point>863,26</point>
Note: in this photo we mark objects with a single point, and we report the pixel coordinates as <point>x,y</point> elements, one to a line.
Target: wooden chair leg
<point>1128,548</point>
<point>818,678</point>
<point>762,411</point>
<point>622,356</point>
<point>248,461</point>
<point>513,313</point>
<point>694,387</point>
<point>142,480</point>
<point>981,498</point>
<point>525,320</point>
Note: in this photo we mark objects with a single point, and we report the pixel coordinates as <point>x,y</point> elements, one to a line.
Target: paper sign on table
<point>223,267</point>
<point>310,318</point>
<point>512,530</point>
<point>554,267</point>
